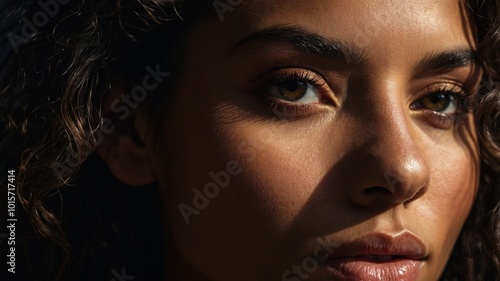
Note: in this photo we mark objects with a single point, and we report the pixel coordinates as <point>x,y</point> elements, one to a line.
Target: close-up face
<point>320,140</point>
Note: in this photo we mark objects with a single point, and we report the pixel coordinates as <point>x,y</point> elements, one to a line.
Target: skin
<point>359,161</point>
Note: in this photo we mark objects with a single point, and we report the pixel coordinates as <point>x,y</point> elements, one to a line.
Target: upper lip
<point>404,245</point>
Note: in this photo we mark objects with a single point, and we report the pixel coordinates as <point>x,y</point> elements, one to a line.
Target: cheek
<point>279,170</point>
<point>451,197</point>
<point>274,169</point>
<point>445,207</point>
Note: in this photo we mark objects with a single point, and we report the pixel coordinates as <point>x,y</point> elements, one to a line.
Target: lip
<point>378,256</point>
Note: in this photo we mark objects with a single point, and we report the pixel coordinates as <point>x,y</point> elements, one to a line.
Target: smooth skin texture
<point>368,152</point>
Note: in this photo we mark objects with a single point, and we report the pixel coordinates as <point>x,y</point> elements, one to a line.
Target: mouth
<point>378,257</point>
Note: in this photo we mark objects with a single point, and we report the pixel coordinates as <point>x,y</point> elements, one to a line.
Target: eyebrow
<point>447,60</point>
<point>307,42</point>
<point>348,54</point>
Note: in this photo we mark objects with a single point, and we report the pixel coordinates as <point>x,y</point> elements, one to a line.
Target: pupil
<point>293,90</point>
<point>291,86</point>
<point>438,98</point>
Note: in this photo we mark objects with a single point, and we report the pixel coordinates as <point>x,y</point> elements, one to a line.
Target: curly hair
<point>58,74</point>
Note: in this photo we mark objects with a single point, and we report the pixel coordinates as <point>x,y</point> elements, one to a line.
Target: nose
<point>389,161</point>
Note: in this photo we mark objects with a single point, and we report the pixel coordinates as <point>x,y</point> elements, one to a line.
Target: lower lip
<point>349,269</point>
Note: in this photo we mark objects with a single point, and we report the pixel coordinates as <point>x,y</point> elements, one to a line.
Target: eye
<point>293,93</point>
<point>443,105</point>
<point>441,102</point>
<point>296,91</point>
<point>444,99</point>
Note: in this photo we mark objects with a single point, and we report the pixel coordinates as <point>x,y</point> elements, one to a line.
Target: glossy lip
<point>354,261</point>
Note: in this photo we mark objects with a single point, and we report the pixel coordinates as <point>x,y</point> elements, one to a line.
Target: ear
<point>121,147</point>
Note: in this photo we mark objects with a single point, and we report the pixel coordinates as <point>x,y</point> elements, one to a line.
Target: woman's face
<point>320,140</point>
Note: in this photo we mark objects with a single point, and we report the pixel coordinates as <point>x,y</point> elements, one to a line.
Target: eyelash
<point>285,108</point>
<point>461,96</point>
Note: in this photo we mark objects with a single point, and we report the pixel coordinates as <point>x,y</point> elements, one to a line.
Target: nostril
<point>417,195</point>
<point>377,190</point>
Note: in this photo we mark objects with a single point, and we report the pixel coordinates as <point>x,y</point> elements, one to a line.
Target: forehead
<point>393,35</point>
<point>404,25</point>
<point>322,13</point>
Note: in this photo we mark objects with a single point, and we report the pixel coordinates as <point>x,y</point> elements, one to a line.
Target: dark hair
<point>57,75</point>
